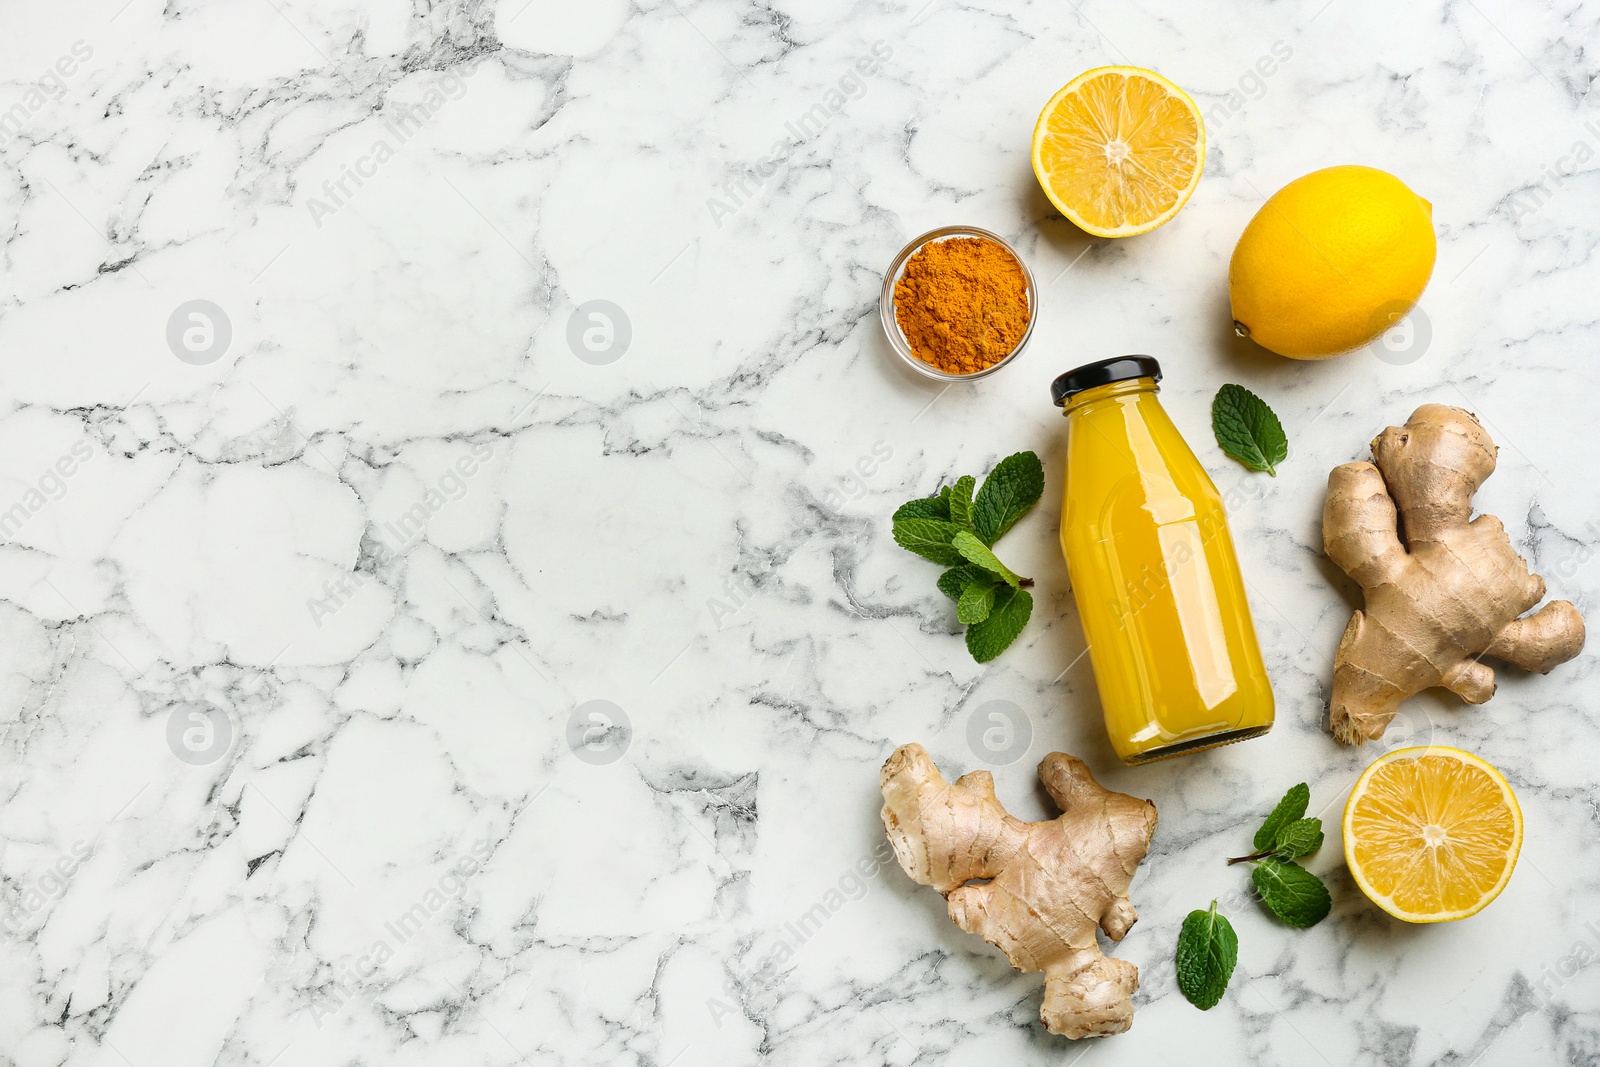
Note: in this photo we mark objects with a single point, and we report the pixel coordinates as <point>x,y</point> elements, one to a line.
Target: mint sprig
<point>1287,834</point>
<point>1248,430</point>
<point>957,528</point>
<point>1208,948</point>
<point>1289,891</point>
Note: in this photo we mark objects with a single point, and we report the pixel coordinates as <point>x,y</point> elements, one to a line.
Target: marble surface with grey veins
<point>448,611</point>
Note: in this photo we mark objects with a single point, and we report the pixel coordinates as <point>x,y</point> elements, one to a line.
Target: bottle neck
<point>1109,391</point>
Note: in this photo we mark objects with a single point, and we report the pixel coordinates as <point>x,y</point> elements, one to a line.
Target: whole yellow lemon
<point>1331,261</point>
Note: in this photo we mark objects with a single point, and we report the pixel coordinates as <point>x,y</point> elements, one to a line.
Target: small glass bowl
<point>891,326</point>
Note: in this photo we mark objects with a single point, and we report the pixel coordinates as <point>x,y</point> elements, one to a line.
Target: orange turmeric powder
<point>962,304</point>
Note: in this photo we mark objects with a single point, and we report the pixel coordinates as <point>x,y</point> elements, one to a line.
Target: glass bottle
<point>1154,571</point>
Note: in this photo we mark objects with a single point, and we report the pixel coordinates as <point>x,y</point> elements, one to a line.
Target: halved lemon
<point>1431,834</point>
<point>1119,150</point>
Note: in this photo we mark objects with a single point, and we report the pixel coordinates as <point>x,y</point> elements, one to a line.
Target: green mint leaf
<point>1006,619</point>
<point>961,500</point>
<point>976,552</point>
<point>1207,951</point>
<point>931,507</point>
<point>955,580</point>
<point>1299,838</point>
<point>930,539</point>
<point>1011,489</point>
<point>977,600</point>
<point>1248,430</point>
<point>1291,892</point>
<point>1291,807</point>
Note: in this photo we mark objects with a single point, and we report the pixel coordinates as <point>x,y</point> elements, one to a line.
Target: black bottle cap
<point>1119,369</point>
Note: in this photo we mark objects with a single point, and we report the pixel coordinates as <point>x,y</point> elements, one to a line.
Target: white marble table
<point>307,598</point>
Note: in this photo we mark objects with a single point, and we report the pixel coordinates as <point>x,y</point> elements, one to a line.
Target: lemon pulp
<point>1432,834</point>
<point>1119,150</point>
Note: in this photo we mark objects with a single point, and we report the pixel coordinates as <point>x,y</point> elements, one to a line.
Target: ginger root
<point>1050,882</point>
<point>1452,591</point>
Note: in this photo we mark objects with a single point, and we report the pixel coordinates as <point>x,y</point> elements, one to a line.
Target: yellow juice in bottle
<point>1154,572</point>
